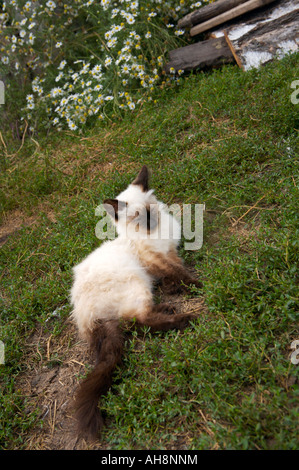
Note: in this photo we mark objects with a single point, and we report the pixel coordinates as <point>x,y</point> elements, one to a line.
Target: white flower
<point>117,28</point>
<point>97,69</point>
<point>130,18</point>
<point>55,92</point>
<point>72,126</point>
<point>131,105</point>
<point>179,32</point>
<point>5,60</point>
<point>125,68</point>
<point>31,38</point>
<point>62,65</point>
<point>58,44</point>
<point>55,120</point>
<point>111,43</point>
<point>59,76</point>
<point>105,4</point>
<point>148,35</point>
<point>31,25</point>
<point>108,61</point>
<point>22,33</point>
<point>51,5</point>
<point>169,25</point>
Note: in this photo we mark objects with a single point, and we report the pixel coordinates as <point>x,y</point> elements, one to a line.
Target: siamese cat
<point>114,286</point>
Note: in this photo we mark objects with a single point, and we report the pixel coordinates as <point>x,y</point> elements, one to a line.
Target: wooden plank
<point>207,12</point>
<point>228,15</point>
<point>233,50</point>
<point>201,55</point>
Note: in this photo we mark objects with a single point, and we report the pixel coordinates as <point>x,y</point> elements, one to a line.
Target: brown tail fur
<point>108,342</point>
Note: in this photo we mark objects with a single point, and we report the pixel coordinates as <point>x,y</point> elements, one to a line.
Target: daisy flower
<point>131,105</point>
<point>72,126</point>
<point>179,32</point>
<point>62,65</point>
<point>51,5</point>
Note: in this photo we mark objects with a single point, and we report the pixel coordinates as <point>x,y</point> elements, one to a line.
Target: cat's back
<point>110,256</point>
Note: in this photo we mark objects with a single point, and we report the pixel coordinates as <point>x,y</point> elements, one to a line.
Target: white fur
<point>111,282</point>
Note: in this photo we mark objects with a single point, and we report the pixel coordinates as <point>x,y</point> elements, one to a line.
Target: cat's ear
<point>142,179</point>
<point>113,206</point>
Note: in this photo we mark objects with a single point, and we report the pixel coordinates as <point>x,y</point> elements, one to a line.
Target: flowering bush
<point>78,60</point>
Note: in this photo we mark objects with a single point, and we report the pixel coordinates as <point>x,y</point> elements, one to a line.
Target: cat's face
<point>135,211</point>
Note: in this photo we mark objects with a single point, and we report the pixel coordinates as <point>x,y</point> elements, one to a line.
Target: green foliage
<point>68,64</point>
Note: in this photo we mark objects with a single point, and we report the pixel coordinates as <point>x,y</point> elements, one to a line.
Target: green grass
<point>227,139</point>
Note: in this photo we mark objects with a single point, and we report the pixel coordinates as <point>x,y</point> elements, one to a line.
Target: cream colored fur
<point>112,282</point>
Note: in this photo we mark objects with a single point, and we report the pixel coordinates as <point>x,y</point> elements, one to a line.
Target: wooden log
<point>200,55</point>
<point>229,15</point>
<point>207,12</point>
<point>268,39</point>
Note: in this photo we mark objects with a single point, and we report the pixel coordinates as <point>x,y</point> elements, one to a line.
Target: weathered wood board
<point>251,41</point>
<point>272,33</point>
<point>207,12</point>
<point>228,15</point>
<point>201,55</point>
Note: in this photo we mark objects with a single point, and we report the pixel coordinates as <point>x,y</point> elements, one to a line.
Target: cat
<point>113,286</point>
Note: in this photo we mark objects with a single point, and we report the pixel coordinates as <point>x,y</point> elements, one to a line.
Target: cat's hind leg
<point>162,317</point>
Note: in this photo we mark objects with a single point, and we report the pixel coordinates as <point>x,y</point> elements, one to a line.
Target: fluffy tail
<point>108,342</point>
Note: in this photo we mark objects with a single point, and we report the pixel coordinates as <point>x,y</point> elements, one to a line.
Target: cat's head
<point>136,212</point>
